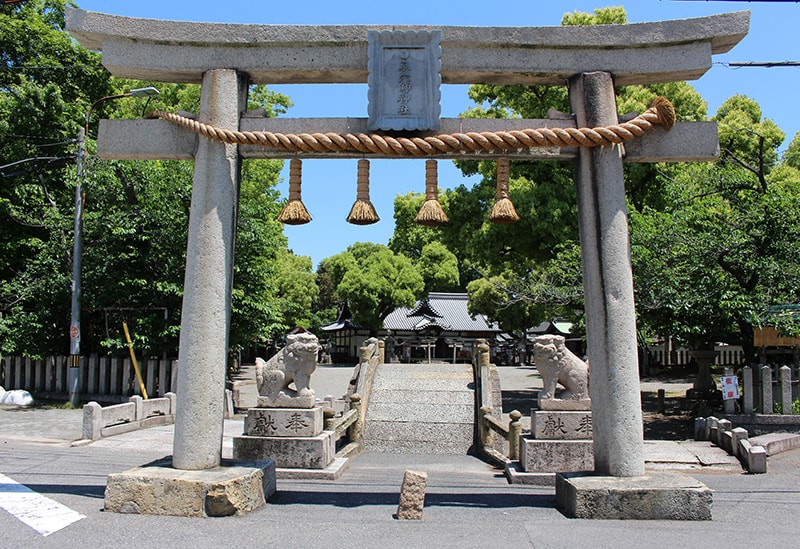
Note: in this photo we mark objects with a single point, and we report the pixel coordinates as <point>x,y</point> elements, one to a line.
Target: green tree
<point>45,81</point>
<point>374,281</point>
<point>297,289</point>
<point>438,267</point>
<point>136,215</point>
<point>726,246</point>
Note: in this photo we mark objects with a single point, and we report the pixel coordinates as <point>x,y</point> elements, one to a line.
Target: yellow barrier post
<point>133,359</point>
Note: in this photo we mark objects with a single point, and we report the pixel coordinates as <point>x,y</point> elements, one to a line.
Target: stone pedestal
<point>561,425</point>
<point>654,496</point>
<point>552,456</point>
<point>293,437</point>
<point>234,488</point>
<point>560,441</point>
<point>283,422</point>
<point>290,452</point>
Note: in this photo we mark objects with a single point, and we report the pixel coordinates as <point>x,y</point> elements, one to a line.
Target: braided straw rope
<point>661,112</point>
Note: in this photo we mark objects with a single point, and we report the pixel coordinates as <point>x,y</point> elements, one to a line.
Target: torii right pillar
<point>619,487</point>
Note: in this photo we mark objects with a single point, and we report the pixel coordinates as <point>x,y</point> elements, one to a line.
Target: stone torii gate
<point>591,60</point>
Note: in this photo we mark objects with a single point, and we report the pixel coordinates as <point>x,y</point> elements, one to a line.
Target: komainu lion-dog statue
<point>557,364</point>
<point>293,364</point>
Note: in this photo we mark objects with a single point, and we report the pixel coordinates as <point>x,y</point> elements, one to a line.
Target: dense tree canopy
<point>136,213</point>
<point>374,281</point>
<point>726,245</point>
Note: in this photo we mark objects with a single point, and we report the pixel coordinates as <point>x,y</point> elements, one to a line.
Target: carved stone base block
<point>235,488</point>
<point>516,475</point>
<point>560,425</point>
<point>655,496</point>
<point>548,456</point>
<point>291,452</point>
<point>283,422</point>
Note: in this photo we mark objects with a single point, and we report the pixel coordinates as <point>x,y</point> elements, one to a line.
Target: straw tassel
<point>363,212</point>
<point>431,213</point>
<point>503,211</point>
<point>294,212</point>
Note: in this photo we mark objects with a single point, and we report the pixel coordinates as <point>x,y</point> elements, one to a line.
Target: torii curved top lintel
<point>638,53</point>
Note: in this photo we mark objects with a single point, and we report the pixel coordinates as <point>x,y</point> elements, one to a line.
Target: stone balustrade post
<point>514,432</point>
<point>747,388</point>
<point>329,421</point>
<point>486,434</point>
<point>92,421</point>
<point>786,389</point>
<point>357,428</point>
<point>767,406</point>
<point>138,403</point>
<point>729,404</point>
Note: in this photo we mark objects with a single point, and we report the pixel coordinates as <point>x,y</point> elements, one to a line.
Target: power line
<point>768,64</point>
<point>748,1</point>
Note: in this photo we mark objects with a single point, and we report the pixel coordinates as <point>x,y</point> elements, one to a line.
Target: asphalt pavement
<point>468,503</point>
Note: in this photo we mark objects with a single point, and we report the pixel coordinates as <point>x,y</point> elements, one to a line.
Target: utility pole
<point>73,371</point>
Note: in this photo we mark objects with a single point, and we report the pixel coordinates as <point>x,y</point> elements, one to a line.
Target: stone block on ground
<point>412,496</point>
<point>655,496</point>
<point>234,488</point>
<point>290,452</point>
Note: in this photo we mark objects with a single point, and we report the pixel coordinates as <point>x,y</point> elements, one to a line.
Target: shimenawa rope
<point>661,112</point>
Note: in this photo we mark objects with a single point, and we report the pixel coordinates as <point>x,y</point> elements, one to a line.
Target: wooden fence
<point>103,379</point>
<point>727,355</point>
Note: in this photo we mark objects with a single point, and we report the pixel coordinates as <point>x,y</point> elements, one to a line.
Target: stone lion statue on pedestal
<point>557,364</point>
<point>293,364</point>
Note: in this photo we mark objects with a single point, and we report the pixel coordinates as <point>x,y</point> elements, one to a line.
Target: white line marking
<point>37,511</point>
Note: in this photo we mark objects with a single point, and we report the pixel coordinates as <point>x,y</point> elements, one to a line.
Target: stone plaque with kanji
<point>404,80</point>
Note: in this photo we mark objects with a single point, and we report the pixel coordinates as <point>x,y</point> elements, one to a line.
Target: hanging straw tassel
<point>363,212</point>
<point>503,211</point>
<point>294,212</point>
<point>431,213</point>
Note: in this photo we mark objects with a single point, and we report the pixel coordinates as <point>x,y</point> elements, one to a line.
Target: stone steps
<point>421,409</point>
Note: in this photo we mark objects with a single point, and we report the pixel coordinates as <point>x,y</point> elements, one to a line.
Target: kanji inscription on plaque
<point>404,80</point>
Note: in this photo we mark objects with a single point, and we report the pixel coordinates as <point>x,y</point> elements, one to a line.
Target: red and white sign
<point>730,387</point>
<point>73,332</point>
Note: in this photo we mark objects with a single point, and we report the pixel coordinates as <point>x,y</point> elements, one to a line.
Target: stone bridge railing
<point>497,442</point>
<point>137,413</point>
<point>347,416</point>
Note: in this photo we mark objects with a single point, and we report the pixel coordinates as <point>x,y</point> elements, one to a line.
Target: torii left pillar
<point>199,483</point>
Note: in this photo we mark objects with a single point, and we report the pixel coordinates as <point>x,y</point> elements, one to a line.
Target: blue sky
<point>329,186</point>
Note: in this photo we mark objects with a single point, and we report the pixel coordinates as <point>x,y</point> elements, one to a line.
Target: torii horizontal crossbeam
<point>159,139</point>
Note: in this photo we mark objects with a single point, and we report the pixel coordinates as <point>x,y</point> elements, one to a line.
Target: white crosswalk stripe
<point>37,511</point>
